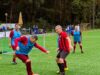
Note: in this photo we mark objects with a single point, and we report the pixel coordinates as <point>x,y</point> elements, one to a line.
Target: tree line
<point>51,11</point>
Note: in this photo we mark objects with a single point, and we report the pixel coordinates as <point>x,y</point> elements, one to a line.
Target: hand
<point>17,48</point>
<point>71,47</point>
<point>57,49</point>
<point>48,52</point>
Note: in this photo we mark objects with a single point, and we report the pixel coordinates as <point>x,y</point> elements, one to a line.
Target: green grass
<point>44,64</point>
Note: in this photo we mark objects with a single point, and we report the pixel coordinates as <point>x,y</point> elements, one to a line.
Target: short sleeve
<point>11,34</point>
<point>64,35</point>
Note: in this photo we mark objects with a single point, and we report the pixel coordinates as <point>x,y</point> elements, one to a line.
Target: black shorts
<point>62,54</point>
<point>75,42</point>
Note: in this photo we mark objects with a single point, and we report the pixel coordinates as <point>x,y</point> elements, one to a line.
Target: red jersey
<point>63,42</point>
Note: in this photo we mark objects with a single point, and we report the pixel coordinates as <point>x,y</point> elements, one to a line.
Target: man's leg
<point>63,55</point>
<point>61,66</point>
<point>74,46</point>
<point>14,55</point>
<point>28,67</point>
<point>27,61</point>
<point>14,59</point>
<point>65,65</point>
<point>57,60</point>
<point>80,44</point>
<point>62,61</point>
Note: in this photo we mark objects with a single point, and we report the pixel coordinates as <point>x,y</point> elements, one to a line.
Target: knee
<point>80,44</point>
<point>74,44</point>
<point>61,60</point>
<point>28,61</point>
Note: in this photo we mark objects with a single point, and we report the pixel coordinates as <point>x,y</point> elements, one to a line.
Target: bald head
<point>76,28</point>
<point>58,29</point>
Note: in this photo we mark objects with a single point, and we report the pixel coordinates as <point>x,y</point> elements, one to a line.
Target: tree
<point>54,12</point>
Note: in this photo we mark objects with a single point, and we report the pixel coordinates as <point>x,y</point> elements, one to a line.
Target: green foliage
<point>56,11</point>
<point>82,8</point>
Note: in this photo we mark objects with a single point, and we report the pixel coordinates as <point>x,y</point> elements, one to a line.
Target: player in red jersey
<point>64,44</point>
<point>13,35</point>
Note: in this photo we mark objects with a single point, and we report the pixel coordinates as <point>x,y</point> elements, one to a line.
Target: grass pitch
<point>44,64</point>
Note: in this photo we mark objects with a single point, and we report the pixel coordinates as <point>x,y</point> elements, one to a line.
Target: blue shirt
<point>16,34</point>
<point>69,29</point>
<point>77,36</point>
<point>25,49</point>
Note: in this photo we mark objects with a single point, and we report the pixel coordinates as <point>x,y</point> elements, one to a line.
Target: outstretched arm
<point>41,48</point>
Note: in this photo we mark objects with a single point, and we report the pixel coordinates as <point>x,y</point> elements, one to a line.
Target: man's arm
<point>69,40</point>
<point>22,39</point>
<point>81,35</point>
<point>41,48</point>
<point>16,43</point>
<point>10,36</point>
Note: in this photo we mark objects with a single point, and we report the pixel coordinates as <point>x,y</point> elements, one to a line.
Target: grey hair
<point>58,26</point>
